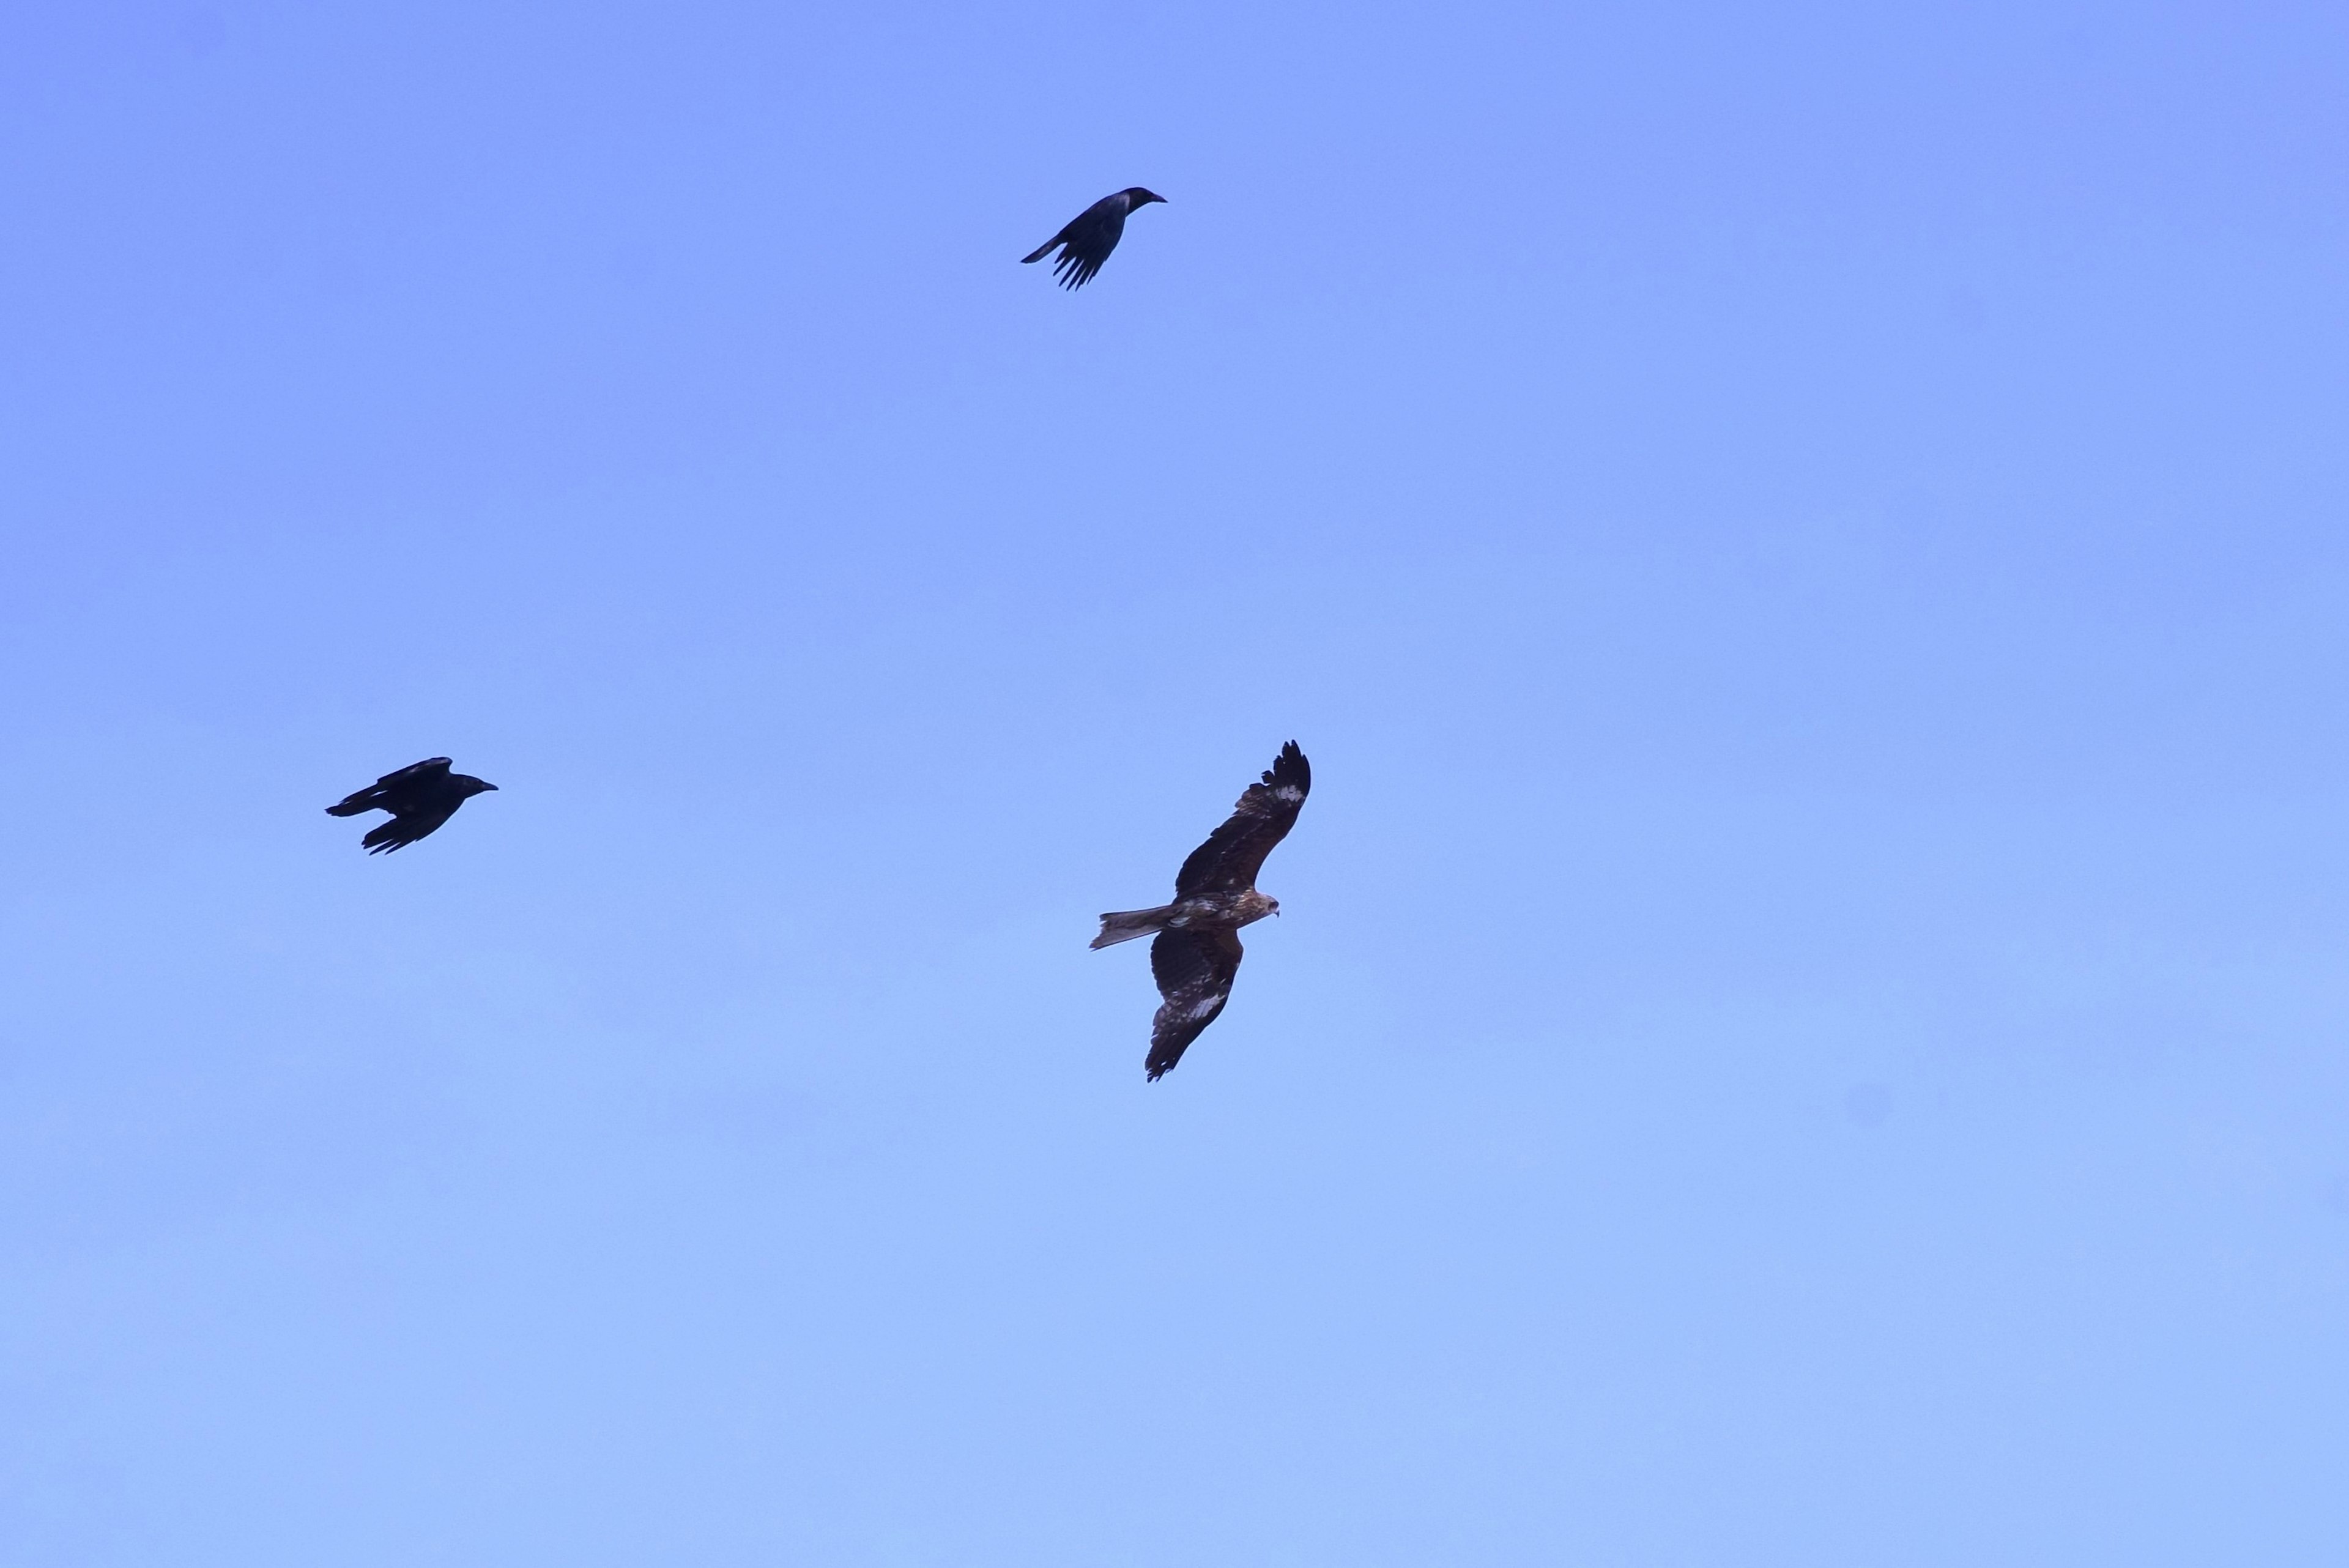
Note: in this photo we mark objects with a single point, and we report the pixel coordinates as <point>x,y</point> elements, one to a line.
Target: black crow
<point>1090,235</point>
<point>421,798</point>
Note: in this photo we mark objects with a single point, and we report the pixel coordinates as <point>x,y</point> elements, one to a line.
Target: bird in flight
<point>1197,950</point>
<point>1090,235</point>
<point>421,798</point>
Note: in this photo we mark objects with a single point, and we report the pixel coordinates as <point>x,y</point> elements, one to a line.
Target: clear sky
<point>1810,1024</point>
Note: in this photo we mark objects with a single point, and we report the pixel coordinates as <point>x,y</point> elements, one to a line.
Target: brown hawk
<point>1197,950</point>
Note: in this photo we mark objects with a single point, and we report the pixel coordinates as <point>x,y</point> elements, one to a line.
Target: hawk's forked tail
<point>1125,925</point>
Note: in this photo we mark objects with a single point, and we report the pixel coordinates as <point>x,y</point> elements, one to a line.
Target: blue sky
<point>1805,545</point>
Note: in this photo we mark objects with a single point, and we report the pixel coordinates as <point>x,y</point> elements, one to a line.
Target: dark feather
<point>1194,969</point>
<point>403,830</point>
<point>1233,854</point>
<point>1086,239</point>
<point>389,786</point>
<point>420,797</point>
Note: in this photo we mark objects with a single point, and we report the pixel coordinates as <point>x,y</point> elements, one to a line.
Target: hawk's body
<point>1088,238</point>
<point>1197,952</point>
<point>419,796</point>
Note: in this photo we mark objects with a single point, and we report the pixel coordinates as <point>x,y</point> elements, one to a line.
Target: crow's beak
<point>486,785</point>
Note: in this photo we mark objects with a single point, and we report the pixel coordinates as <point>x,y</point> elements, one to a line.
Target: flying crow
<point>421,798</point>
<point>1197,950</point>
<point>1090,235</point>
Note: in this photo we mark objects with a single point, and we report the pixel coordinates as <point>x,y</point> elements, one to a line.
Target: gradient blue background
<point>1806,545</point>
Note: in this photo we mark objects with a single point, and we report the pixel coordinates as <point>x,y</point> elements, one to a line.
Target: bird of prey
<point>1090,235</point>
<point>1197,948</point>
<point>421,798</point>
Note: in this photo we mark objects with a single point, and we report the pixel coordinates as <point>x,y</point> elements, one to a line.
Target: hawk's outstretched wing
<point>1229,862</point>
<point>1194,971</point>
<point>378,795</point>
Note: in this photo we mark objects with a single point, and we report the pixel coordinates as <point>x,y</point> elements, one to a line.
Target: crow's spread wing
<point>415,772</point>
<point>1229,862</point>
<point>404,830</point>
<point>1194,971</point>
<point>380,795</point>
<point>1086,241</point>
<point>1083,254</point>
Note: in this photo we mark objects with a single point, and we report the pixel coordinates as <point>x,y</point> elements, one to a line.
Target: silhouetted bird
<point>1090,235</point>
<point>1197,952</point>
<point>421,798</point>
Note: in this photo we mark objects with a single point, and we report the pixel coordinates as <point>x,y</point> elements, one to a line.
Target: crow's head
<point>1138,197</point>
<point>471,784</point>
